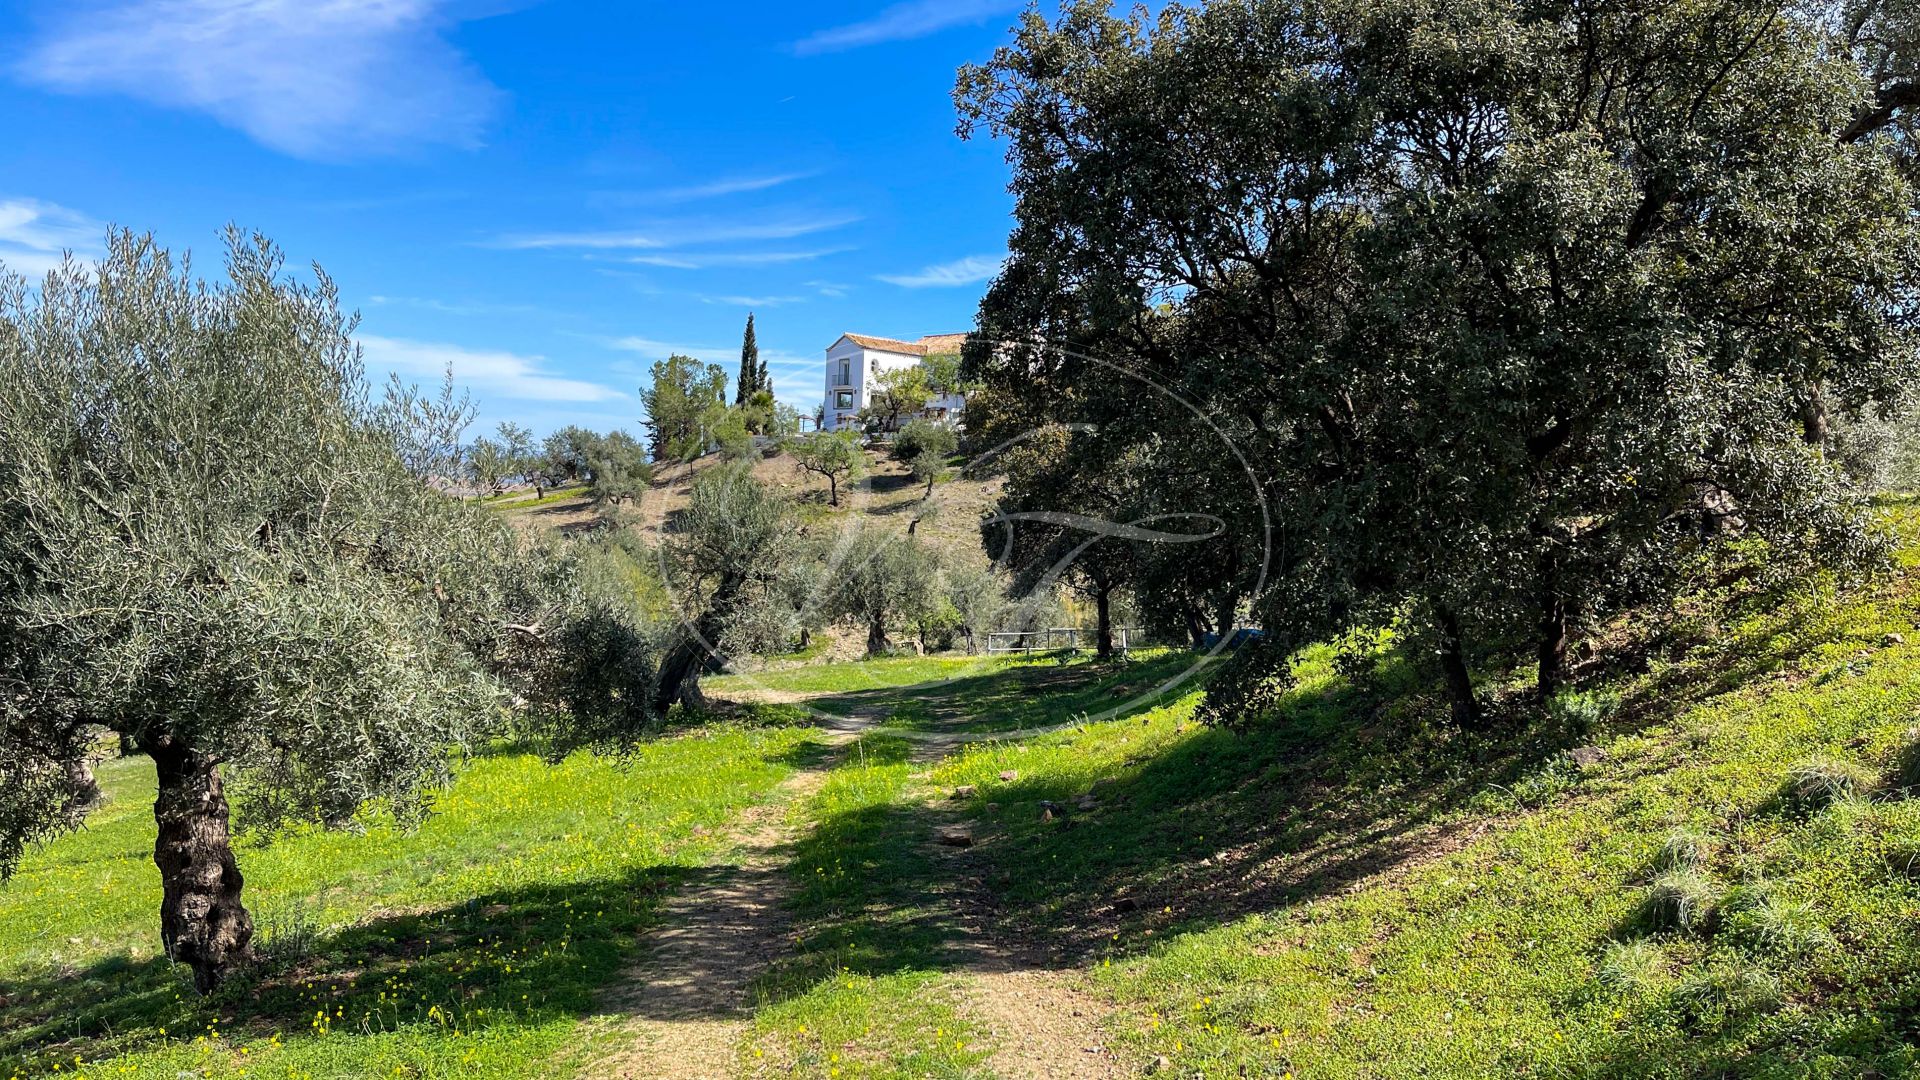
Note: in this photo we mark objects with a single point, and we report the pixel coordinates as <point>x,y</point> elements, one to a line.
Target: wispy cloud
<point>674,236</point>
<point>709,260</point>
<point>35,235</point>
<point>902,22</point>
<point>463,308</point>
<point>753,301</point>
<point>328,79</point>
<point>721,188</point>
<point>967,271</point>
<point>489,373</point>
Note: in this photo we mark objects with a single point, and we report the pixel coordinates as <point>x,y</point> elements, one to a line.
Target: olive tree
<point>831,455</point>
<point>925,446</point>
<point>724,556</point>
<point>881,581</point>
<point>211,545</point>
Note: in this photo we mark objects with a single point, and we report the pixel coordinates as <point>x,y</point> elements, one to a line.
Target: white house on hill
<point>854,364</point>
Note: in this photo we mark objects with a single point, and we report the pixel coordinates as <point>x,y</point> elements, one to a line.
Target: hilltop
<point>885,494</point>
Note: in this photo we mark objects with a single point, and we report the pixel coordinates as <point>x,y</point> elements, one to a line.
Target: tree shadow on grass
<point>1340,785</point>
<point>506,959</point>
<point>1193,832</point>
<point>1021,697</point>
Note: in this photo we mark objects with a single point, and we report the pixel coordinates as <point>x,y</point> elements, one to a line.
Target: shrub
<point>1821,782</point>
<point>1679,900</point>
<point>925,436</point>
<point>1630,967</point>
<point>1582,712</point>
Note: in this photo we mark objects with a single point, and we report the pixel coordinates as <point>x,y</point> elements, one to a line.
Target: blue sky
<point>549,195</point>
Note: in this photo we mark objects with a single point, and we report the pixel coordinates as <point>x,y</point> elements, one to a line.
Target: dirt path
<point>1044,1027</point>
<point>685,1003</point>
<point>1042,1021</point>
<point>685,1000</point>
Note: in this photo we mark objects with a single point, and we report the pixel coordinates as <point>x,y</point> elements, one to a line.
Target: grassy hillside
<point>1707,866</point>
<point>884,494</point>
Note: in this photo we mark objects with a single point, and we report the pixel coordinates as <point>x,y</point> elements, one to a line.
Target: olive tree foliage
<point>898,395</point>
<point>1516,308</point>
<point>830,455</point>
<point>619,469</point>
<point>429,431</point>
<point>724,556</point>
<point>925,445</point>
<point>488,465</point>
<point>881,581</point>
<point>213,546</point>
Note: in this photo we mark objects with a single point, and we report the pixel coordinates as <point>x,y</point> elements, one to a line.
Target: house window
<point>846,373</point>
<point>843,399</point>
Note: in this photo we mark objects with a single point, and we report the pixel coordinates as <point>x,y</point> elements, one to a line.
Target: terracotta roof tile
<point>887,345</point>
<point>937,344</point>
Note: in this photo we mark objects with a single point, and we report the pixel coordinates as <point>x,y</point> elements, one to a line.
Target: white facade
<point>854,364</point>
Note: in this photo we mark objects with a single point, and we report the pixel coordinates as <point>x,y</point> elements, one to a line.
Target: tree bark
<point>680,675</point>
<point>833,491</point>
<point>1196,629</point>
<point>1553,645</point>
<point>1814,426</point>
<point>1453,665</point>
<point>876,637</point>
<point>1226,617</point>
<point>202,922</point>
<point>1103,627</point>
<point>83,791</point>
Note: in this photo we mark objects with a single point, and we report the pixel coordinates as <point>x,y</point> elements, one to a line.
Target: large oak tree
<point>1516,306</point>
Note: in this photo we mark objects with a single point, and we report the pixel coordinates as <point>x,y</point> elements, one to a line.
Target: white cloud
<point>708,260</point>
<point>674,236</point>
<point>463,309</point>
<point>736,186</point>
<point>34,235</point>
<point>902,22</point>
<point>967,271</point>
<point>312,78</point>
<point>752,301</point>
<point>489,373</point>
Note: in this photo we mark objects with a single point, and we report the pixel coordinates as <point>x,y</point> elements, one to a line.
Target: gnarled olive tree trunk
<point>202,922</point>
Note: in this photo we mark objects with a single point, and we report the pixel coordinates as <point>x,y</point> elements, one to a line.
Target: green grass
<point>1348,887</point>
<point>473,946</point>
<point>1352,889</point>
<point>863,993</point>
<point>516,501</point>
<point>1503,956</point>
<point>979,694</point>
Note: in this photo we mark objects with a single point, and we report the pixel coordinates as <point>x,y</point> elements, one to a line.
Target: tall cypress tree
<point>753,374</point>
